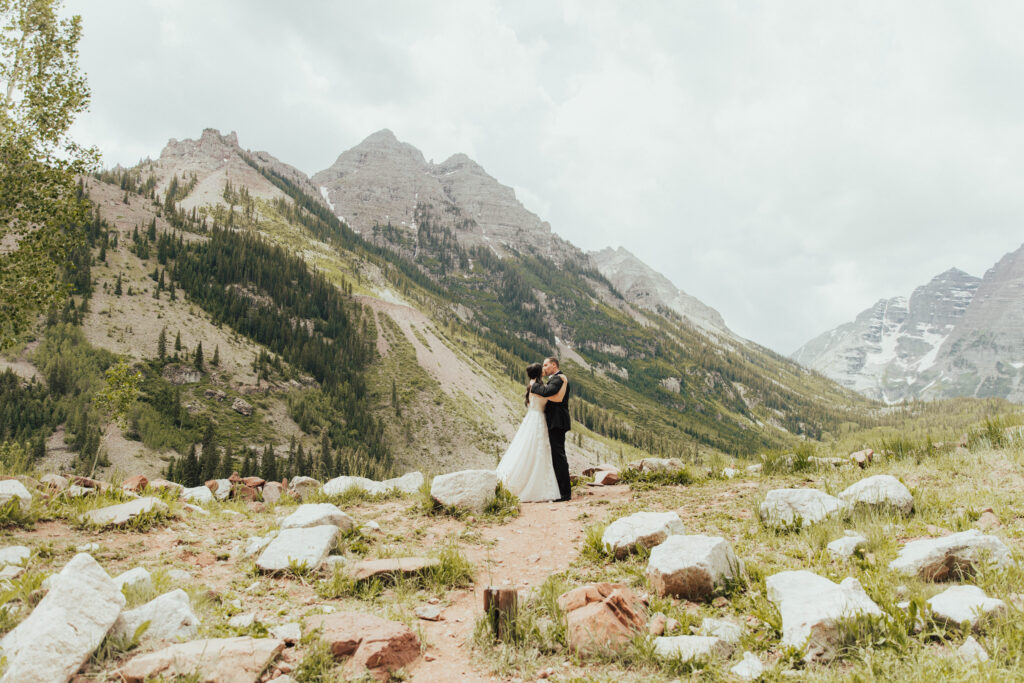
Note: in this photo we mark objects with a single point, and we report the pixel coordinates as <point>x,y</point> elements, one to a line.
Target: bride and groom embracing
<point>534,467</point>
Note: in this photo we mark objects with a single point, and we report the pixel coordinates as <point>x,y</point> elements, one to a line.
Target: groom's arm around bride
<point>559,422</point>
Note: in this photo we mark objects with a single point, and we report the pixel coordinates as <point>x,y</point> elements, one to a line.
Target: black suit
<point>557,416</point>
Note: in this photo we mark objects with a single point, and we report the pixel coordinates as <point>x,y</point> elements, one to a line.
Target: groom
<point>557,416</point>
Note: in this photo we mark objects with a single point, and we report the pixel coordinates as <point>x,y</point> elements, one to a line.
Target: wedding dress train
<point>526,469</point>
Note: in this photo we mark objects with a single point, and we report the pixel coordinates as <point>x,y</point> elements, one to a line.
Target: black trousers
<point>558,459</point>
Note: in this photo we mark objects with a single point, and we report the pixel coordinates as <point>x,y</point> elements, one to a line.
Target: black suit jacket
<point>556,414</point>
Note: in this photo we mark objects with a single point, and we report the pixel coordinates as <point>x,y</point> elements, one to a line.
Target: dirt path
<point>544,539</point>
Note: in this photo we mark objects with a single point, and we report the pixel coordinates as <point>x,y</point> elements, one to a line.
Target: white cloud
<point>788,163</point>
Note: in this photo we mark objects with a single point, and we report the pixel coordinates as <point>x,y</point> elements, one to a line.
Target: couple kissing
<point>534,467</point>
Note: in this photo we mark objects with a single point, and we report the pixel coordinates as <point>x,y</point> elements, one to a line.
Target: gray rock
<point>289,633</point>
<point>137,578</point>
<point>959,604</point>
<point>11,489</point>
<point>88,547</point>
<point>198,494</point>
<point>242,407</point>
<point>303,486</point>
<point>470,489</point>
<point>303,547</point>
<point>242,620</point>
<point>54,481</point>
<point>407,483</point>
<point>254,544</point>
<point>317,514</point>
<point>9,573</point>
<point>940,559</point>
<point>720,628</point>
<point>114,515</point>
<point>223,489</point>
<point>647,529</point>
<point>179,576</point>
<point>14,554</point>
<point>846,545</point>
<point>658,465</point>
<point>71,621</point>
<point>972,652</point>
<point>881,490</point>
<point>750,668</point>
<point>691,566</point>
<point>339,485</point>
<point>428,612</point>
<point>76,491</point>
<point>691,648</point>
<point>787,507</point>
<point>170,618</point>
<point>811,606</point>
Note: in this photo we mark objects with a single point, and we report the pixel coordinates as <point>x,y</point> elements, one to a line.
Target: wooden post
<point>501,605</point>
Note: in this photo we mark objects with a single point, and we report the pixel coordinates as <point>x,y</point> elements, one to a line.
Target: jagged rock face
<point>891,351</point>
<point>643,286</point>
<point>216,159</point>
<point>382,180</point>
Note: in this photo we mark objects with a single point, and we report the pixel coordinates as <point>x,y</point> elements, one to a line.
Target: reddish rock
<point>862,458</point>
<point>253,482</point>
<point>257,506</point>
<point>272,492</point>
<point>234,478</point>
<point>135,484</point>
<point>607,478</point>
<point>375,644</point>
<point>600,616</point>
<point>243,492</point>
<point>212,485</point>
<point>86,482</point>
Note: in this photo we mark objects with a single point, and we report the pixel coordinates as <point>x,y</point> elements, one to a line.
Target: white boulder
<point>881,490</point>
<point>647,529</point>
<point>471,489</point>
<point>317,514</point>
<point>303,486</point>
<point>114,515</point>
<point>223,489</point>
<point>811,605</point>
<point>939,559</point>
<point>691,648</point>
<point>137,578</point>
<point>788,507</point>
<point>339,485</point>
<point>691,566</point>
<point>14,554</point>
<point>750,668</point>
<point>972,652</point>
<point>200,495</point>
<point>407,483</point>
<point>170,618</point>
<point>67,625</point>
<point>720,628</point>
<point>11,489</point>
<point>959,604</point>
<point>846,545</point>
<point>305,547</point>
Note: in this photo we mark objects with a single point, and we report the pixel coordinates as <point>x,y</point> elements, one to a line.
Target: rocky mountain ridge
<point>958,335</point>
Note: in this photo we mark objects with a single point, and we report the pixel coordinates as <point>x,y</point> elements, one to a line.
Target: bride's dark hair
<point>533,371</point>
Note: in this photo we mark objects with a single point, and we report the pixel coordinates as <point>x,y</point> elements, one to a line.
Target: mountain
<point>958,335</point>
<point>643,286</point>
<point>384,181</point>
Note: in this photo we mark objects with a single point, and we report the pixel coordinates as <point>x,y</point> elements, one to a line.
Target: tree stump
<point>501,605</point>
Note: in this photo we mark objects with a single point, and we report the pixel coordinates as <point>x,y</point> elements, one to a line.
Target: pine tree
<point>268,464</point>
<point>103,252</point>
<point>210,459</point>
<point>246,470</point>
<point>215,361</point>
<point>177,342</point>
<point>190,473</point>
<point>161,345</point>
<point>226,465</point>
<point>117,287</point>
<point>198,361</point>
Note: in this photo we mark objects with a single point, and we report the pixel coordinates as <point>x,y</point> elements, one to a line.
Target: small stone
<point>115,515</point>
<point>720,628</point>
<point>847,545</point>
<point>242,620</point>
<point>750,668</point>
<point>972,652</point>
<point>646,529</point>
<point>14,554</point>
<point>960,604</point>
<point>289,633</point>
<point>137,578</point>
<point>170,618</point>
<point>988,520</point>
<point>317,514</point>
<point>135,484</point>
<point>720,602</point>
<point>199,495</point>
<point>691,648</point>
<point>428,612</point>
<point>656,624</point>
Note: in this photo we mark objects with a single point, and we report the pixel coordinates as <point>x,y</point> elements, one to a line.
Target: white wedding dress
<point>526,469</point>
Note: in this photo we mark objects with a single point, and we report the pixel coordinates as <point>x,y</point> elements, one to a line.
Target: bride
<point>526,468</point>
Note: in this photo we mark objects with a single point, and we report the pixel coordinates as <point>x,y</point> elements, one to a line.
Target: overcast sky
<point>788,163</point>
